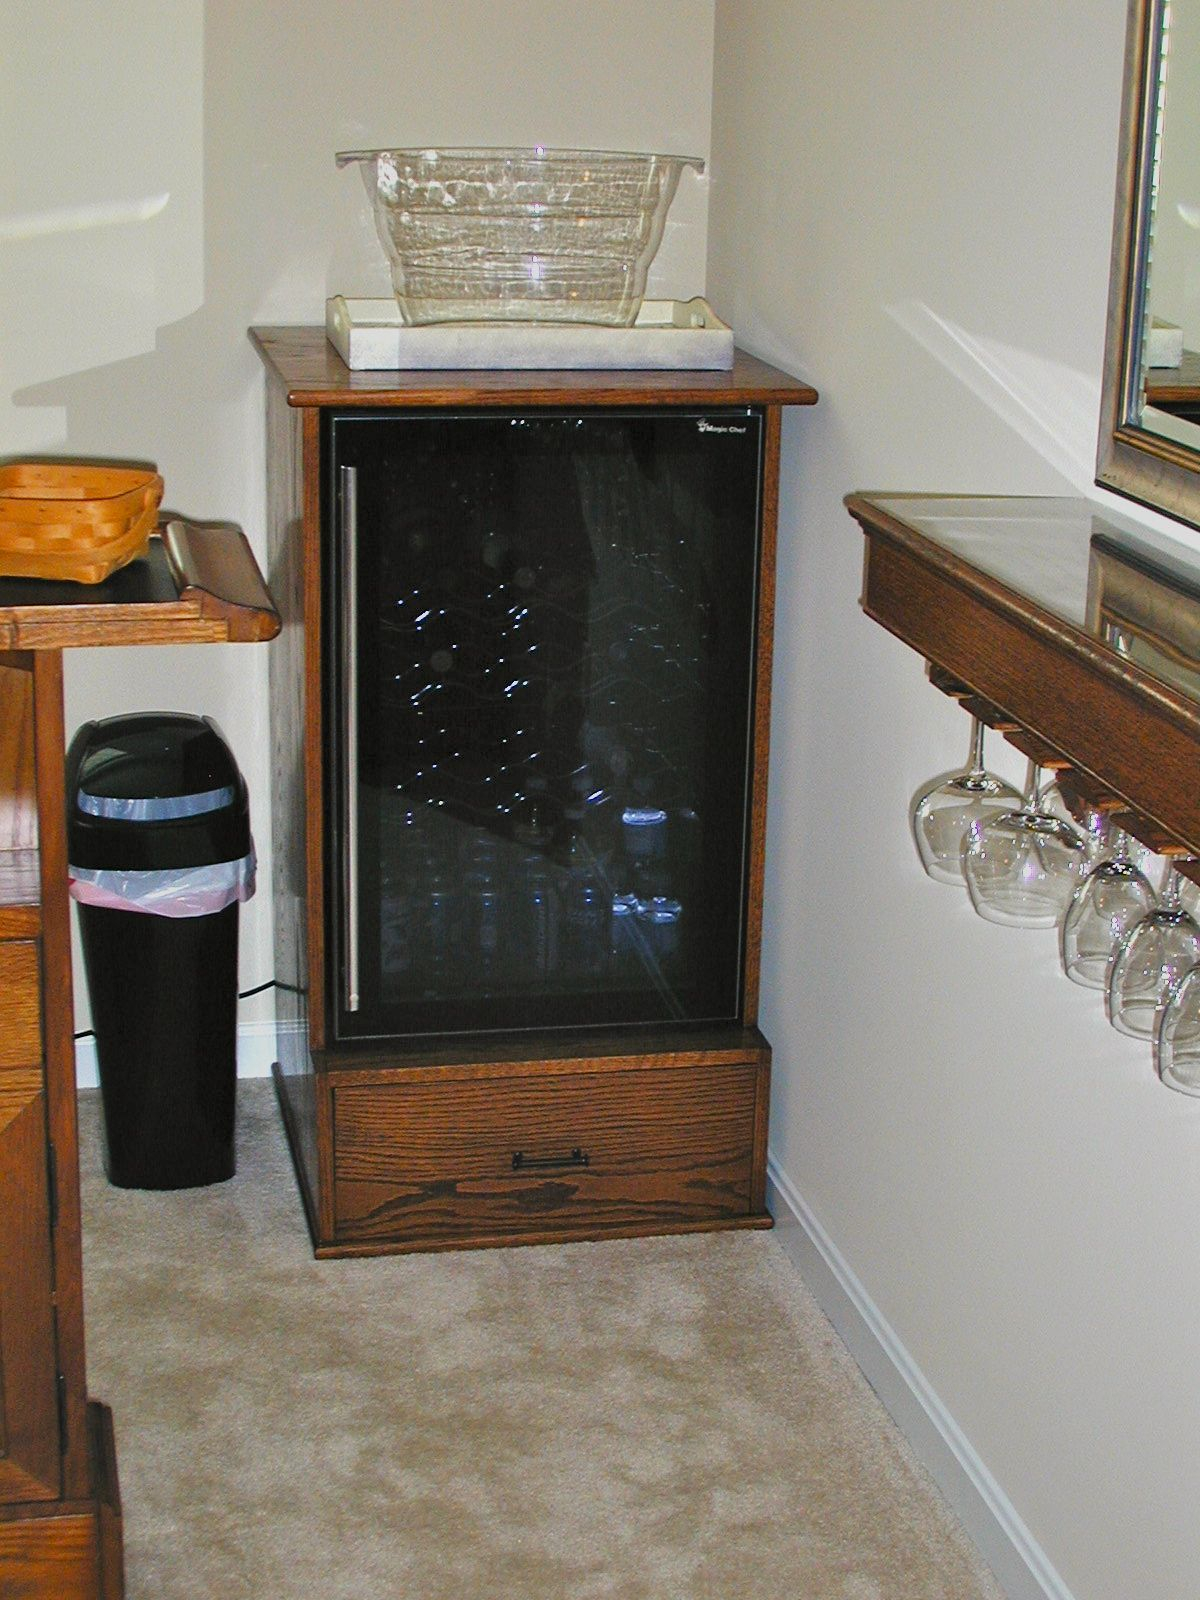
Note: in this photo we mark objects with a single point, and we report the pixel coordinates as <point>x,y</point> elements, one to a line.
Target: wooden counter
<point>60,1517</point>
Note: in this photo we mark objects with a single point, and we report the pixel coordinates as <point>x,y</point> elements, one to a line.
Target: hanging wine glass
<point>1104,907</point>
<point>1092,823</point>
<point>1022,866</point>
<point>1154,953</point>
<point>945,810</point>
<point>1177,1038</point>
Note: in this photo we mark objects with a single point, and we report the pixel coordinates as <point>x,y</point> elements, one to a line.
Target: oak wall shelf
<point>1074,632</point>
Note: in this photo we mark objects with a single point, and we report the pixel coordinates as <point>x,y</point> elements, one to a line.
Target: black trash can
<point>158,839</point>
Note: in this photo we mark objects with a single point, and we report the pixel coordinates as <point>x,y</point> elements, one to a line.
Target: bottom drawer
<point>488,1159</point>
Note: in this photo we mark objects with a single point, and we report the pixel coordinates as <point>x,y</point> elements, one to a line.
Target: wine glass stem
<point>1033,783</point>
<point>1171,890</point>
<point>976,756</point>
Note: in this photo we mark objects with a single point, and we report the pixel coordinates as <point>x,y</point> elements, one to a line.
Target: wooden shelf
<point>1073,633</point>
<point>199,584</point>
<point>314,374</point>
<point>1169,387</point>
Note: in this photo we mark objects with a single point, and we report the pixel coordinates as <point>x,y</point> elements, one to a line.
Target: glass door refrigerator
<point>539,717</point>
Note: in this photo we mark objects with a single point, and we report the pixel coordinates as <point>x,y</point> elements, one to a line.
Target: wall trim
<point>255,1053</point>
<point>1021,1566</point>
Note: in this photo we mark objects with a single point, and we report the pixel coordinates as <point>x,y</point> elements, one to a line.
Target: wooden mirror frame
<point>1159,471</point>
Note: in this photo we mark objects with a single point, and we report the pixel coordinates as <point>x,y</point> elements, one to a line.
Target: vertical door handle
<point>348,504</point>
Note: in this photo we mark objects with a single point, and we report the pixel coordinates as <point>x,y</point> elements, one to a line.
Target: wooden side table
<point>60,1513</point>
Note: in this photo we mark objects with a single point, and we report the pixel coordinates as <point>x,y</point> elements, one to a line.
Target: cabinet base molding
<point>603,1136</point>
<point>68,1549</point>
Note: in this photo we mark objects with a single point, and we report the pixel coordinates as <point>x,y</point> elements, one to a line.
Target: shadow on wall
<point>1052,408</point>
<point>101,218</point>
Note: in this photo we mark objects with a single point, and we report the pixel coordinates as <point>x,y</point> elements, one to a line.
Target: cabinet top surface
<point>314,374</point>
<point>1130,590</point>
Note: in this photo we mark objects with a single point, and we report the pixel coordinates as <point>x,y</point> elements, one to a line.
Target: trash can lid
<point>174,758</point>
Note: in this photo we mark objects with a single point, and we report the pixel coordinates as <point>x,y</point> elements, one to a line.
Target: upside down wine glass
<point>1177,1038</point>
<point>947,809</point>
<point>1153,955</point>
<point>1111,899</point>
<point>1021,866</point>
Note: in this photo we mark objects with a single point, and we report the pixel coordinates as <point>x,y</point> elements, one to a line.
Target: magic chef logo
<point>719,427</point>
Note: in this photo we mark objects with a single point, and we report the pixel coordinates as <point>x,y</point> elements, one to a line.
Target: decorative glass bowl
<point>533,235</point>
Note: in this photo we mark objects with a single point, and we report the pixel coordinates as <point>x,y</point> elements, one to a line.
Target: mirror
<point>1149,444</point>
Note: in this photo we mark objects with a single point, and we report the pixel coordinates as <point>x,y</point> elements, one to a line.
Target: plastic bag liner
<point>156,808</point>
<point>171,892</point>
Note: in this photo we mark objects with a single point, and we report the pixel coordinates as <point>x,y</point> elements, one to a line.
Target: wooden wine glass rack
<point>1071,634</point>
<point>1081,791</point>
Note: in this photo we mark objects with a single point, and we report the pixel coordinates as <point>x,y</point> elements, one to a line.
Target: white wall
<point>169,181</point>
<point>911,207</point>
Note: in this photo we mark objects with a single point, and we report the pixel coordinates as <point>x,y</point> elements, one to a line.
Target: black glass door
<point>543,637</point>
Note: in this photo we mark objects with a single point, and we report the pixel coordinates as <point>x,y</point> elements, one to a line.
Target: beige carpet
<point>668,1419</point>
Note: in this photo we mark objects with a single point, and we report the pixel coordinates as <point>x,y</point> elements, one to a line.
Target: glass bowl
<point>534,235</point>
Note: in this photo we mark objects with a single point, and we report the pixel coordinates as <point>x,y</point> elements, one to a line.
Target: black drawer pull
<point>524,1163</point>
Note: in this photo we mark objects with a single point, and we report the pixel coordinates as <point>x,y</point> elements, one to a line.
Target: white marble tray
<point>668,334</point>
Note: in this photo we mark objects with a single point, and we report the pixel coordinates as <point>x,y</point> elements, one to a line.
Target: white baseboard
<point>255,1053</point>
<point>1020,1565</point>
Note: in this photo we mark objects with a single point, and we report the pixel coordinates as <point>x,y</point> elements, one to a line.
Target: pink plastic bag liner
<point>172,892</point>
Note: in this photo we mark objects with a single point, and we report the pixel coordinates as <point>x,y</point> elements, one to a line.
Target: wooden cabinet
<point>57,1517</point>
<point>481,1107</point>
<point>60,1516</point>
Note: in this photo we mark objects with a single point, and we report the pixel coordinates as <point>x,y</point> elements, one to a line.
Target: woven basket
<point>78,523</point>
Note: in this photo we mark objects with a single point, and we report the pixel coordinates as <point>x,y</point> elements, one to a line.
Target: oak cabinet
<point>520,735</point>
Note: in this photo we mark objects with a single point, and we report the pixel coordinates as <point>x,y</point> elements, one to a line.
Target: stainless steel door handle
<point>348,483</point>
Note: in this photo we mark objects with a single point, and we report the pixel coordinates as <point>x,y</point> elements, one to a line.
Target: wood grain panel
<point>54,1556</point>
<point>58,1013</point>
<point>549,1051</point>
<point>662,1147</point>
<point>289,578</point>
<point>314,730</point>
<point>18,801</point>
<point>761,714</point>
<point>29,1443</point>
<point>107,1493</point>
<point>20,1004</point>
<point>350,1249</point>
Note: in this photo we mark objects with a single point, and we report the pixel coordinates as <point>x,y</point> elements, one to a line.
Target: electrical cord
<point>244,994</point>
